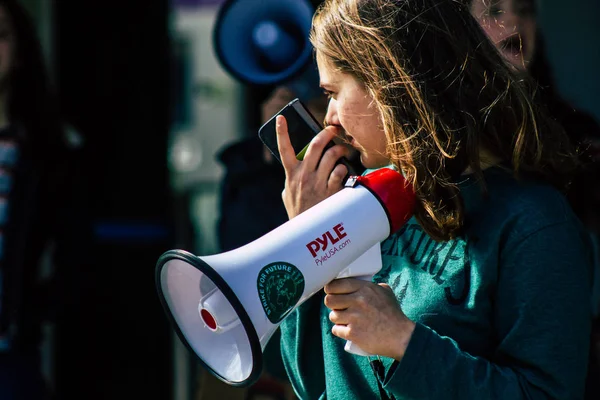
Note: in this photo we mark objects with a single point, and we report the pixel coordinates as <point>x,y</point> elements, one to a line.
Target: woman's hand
<point>315,178</point>
<point>369,315</point>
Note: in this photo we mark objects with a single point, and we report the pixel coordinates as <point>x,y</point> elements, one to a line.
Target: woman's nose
<point>331,118</point>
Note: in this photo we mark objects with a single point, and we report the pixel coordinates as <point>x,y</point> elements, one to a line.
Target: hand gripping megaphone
<point>225,307</point>
<point>263,42</point>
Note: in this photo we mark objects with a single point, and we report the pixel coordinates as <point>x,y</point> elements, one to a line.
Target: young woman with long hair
<point>485,293</point>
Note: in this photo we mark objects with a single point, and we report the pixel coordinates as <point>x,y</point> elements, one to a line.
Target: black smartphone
<point>302,127</point>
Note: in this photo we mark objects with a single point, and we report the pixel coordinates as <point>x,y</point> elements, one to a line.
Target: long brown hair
<point>444,94</point>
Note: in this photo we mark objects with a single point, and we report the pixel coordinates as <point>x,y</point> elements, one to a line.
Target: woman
<point>485,293</point>
<point>512,26</point>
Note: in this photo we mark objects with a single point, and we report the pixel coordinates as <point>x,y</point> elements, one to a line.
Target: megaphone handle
<point>351,347</point>
<point>354,349</point>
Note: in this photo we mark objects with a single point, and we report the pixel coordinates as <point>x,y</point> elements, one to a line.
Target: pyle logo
<point>321,243</point>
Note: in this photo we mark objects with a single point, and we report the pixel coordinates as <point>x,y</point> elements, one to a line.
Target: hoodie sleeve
<point>302,349</point>
<point>542,317</point>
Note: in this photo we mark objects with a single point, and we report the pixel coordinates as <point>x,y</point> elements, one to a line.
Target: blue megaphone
<point>264,42</point>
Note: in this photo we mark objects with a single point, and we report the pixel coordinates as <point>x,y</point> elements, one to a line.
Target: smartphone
<point>302,127</point>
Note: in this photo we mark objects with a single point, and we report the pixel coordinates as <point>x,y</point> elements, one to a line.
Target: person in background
<point>485,292</point>
<point>251,205</point>
<point>512,26</point>
<point>251,188</point>
<point>37,175</point>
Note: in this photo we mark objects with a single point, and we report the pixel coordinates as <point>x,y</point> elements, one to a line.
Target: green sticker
<point>280,285</point>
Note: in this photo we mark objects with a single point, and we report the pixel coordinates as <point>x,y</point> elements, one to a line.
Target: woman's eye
<point>328,93</point>
<point>495,9</point>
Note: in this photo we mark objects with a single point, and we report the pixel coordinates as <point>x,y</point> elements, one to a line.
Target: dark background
<point>112,69</point>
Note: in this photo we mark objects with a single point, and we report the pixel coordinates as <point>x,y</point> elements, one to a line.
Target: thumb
<point>385,286</point>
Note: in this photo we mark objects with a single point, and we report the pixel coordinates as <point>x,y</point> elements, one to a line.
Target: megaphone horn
<point>263,42</point>
<point>225,307</point>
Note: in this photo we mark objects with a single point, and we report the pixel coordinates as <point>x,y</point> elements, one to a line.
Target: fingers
<point>344,326</point>
<point>341,331</point>
<point>342,323</point>
<point>344,293</point>
<point>343,286</point>
<point>316,147</point>
<point>339,302</point>
<point>370,317</point>
<point>387,290</point>
<point>333,154</point>
<point>336,179</point>
<point>338,317</point>
<point>287,205</point>
<point>315,156</point>
<point>344,317</point>
<point>286,151</point>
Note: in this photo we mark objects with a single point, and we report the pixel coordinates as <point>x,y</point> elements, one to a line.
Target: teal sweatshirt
<point>502,312</point>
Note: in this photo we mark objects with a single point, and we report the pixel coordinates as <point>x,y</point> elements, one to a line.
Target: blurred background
<point>145,98</point>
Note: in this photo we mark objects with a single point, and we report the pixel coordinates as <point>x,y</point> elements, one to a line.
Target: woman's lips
<point>344,138</point>
<point>513,45</point>
<point>347,139</point>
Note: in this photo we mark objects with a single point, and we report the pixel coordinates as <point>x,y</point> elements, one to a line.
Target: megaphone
<point>263,42</point>
<point>225,307</point>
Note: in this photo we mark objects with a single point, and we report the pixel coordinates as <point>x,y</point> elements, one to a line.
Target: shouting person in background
<point>512,26</point>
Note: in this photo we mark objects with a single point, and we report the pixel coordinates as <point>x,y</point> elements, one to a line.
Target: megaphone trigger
<point>372,259</point>
<point>351,347</point>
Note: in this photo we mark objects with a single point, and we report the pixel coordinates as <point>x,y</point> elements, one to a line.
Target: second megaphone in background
<point>225,307</point>
<point>264,42</point>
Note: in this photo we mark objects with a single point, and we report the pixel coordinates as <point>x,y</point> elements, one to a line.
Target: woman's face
<point>352,109</point>
<point>512,30</point>
<point>7,46</point>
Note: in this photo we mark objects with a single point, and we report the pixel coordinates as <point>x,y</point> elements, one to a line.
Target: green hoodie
<point>502,312</point>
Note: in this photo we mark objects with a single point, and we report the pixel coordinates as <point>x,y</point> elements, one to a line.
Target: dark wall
<point>571,31</point>
<point>112,72</point>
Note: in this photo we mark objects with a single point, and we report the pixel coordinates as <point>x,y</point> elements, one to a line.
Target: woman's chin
<point>373,162</point>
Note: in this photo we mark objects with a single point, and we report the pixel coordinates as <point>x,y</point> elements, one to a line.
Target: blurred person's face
<point>275,102</point>
<point>510,28</point>
<point>351,108</point>
<point>7,47</point>
<point>282,96</point>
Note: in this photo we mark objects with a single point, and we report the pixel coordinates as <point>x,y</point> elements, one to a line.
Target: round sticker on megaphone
<point>280,285</point>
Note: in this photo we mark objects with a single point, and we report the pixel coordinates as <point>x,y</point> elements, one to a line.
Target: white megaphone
<point>225,307</point>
